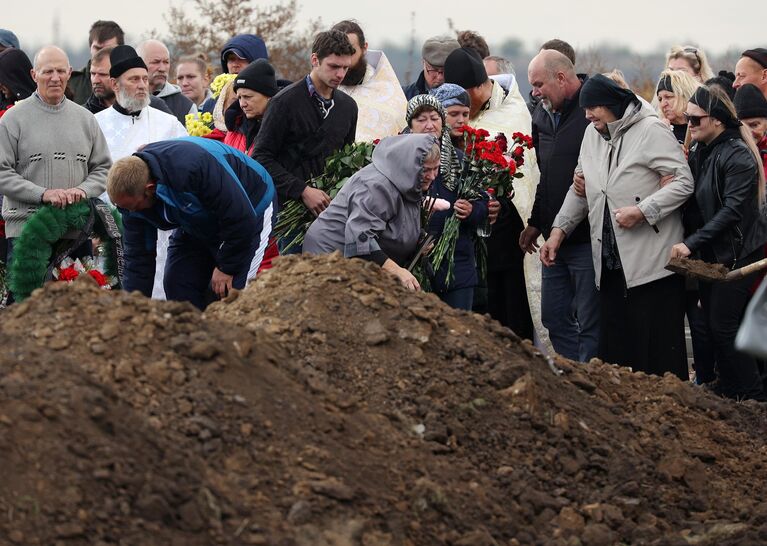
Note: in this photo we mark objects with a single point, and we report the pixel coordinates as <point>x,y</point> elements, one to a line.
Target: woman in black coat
<point>725,224</point>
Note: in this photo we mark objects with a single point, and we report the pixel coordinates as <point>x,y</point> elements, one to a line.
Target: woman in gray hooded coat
<point>377,214</point>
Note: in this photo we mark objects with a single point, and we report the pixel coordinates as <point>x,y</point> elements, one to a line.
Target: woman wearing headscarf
<point>725,225</point>
<point>16,81</point>
<point>376,216</point>
<point>457,105</point>
<point>634,222</point>
<point>425,114</point>
<point>674,89</point>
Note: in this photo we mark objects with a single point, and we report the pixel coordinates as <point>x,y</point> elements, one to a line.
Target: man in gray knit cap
<point>51,150</point>
<point>435,51</point>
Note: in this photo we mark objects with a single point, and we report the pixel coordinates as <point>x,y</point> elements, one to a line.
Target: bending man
<point>219,201</point>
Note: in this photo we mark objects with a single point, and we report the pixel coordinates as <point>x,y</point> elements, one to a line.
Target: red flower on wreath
<point>68,274</point>
<point>99,277</point>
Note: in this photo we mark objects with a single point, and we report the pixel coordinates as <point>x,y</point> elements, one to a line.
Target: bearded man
<point>373,85</point>
<point>130,124</point>
<point>102,94</point>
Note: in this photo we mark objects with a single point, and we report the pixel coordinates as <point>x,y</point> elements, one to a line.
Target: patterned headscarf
<point>450,167</point>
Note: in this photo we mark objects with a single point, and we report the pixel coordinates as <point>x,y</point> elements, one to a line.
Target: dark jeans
<point>188,270</point>
<point>724,304</point>
<point>460,298</point>
<point>570,303</point>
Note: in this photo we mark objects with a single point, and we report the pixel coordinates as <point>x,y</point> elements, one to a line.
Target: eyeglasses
<point>694,121</point>
<point>431,71</point>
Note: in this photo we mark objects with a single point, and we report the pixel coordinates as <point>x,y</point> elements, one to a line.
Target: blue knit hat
<point>450,94</point>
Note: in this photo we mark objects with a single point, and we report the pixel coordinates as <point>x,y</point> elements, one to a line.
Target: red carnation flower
<point>518,152</point>
<point>68,274</point>
<point>512,168</point>
<point>502,142</point>
<point>100,278</point>
<point>482,133</point>
<point>376,141</point>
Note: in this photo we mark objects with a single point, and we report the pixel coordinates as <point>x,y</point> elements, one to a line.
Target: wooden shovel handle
<point>747,270</point>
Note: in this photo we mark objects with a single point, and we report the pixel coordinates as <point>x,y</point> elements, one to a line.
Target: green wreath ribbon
<point>34,248</point>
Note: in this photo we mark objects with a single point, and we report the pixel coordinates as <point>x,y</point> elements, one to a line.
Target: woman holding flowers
<point>426,114</point>
<point>376,214</point>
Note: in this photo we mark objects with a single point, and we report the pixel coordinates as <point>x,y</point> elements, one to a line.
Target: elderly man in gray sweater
<point>51,149</point>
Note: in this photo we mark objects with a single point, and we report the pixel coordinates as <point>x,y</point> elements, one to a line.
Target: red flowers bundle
<point>70,269</point>
<point>486,165</point>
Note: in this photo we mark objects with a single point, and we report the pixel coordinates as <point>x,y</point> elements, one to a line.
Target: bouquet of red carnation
<point>485,166</point>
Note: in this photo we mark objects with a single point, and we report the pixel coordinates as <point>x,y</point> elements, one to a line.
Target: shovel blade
<point>698,269</point>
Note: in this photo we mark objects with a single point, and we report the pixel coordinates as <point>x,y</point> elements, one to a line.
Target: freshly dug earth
<point>327,406</point>
<point>698,269</point>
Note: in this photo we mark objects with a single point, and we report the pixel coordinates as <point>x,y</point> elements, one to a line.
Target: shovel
<point>705,271</point>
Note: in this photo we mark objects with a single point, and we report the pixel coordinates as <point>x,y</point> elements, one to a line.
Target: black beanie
<point>464,67</point>
<point>257,76</point>
<point>600,90</point>
<point>122,59</point>
<point>759,55</point>
<point>750,102</point>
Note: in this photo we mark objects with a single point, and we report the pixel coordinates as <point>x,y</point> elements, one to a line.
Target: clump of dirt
<point>698,269</point>
<point>327,406</point>
<point>571,450</point>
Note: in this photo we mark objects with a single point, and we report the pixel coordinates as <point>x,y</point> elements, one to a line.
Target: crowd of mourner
<point>610,188</point>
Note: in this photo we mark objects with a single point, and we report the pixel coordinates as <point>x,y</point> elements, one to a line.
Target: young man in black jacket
<point>569,300</point>
<point>308,121</point>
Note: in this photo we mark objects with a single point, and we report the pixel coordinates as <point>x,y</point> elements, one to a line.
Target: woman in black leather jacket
<point>725,224</point>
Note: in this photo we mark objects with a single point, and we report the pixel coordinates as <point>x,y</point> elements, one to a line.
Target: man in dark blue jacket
<point>569,299</point>
<point>220,202</point>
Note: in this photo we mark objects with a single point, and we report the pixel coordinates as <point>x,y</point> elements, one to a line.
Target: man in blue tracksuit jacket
<point>220,202</point>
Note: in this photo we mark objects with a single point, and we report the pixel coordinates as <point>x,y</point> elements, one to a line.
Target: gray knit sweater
<point>48,147</point>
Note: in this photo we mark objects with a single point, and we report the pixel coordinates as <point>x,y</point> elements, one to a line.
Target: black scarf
<point>602,91</point>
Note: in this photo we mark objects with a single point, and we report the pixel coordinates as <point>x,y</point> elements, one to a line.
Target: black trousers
<point>643,326</point>
<point>507,300</point>
<point>724,304</point>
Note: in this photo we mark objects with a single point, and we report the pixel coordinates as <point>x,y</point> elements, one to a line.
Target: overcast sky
<point>716,26</point>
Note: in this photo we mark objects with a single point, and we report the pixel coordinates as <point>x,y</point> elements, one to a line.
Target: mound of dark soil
<point>327,406</point>
<point>592,451</point>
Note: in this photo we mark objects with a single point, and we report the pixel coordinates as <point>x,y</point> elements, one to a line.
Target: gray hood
<point>400,158</point>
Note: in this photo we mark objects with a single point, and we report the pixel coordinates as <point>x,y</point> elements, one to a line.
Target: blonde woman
<point>689,59</point>
<point>674,89</point>
<point>724,225</point>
